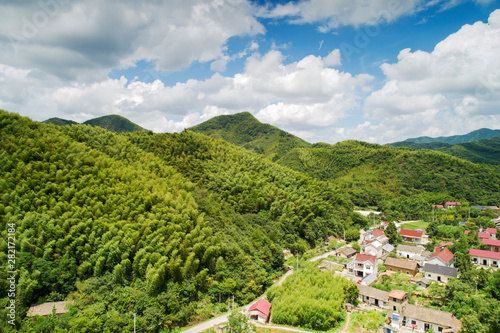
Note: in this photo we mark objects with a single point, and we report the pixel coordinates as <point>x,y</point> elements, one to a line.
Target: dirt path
<point>345,330</point>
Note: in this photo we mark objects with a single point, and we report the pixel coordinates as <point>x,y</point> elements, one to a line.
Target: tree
<point>352,235</point>
<point>238,323</point>
<point>392,233</point>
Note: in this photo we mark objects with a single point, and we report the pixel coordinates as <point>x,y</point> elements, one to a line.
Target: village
<point>368,261</point>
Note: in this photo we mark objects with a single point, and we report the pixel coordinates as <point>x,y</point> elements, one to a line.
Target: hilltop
<point>112,123</point>
<point>244,130</point>
<point>480,134</point>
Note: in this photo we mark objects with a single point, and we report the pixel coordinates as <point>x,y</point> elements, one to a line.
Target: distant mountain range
<point>243,129</point>
<point>480,134</point>
<point>112,123</point>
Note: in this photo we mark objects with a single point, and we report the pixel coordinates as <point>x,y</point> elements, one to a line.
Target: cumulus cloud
<point>85,39</point>
<point>444,88</point>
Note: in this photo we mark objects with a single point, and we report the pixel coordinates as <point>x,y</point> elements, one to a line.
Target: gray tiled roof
<point>450,271</point>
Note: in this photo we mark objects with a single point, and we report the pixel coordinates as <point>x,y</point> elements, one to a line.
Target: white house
<point>442,256</point>
<point>409,251</point>
<point>439,273</point>
<point>362,265</point>
<point>374,249</point>
<point>373,296</point>
<point>260,310</point>
<point>419,319</point>
<point>485,258</point>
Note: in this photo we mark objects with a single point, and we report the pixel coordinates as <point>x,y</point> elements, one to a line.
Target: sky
<point>325,70</point>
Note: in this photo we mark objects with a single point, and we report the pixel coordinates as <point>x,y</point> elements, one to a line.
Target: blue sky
<point>377,71</point>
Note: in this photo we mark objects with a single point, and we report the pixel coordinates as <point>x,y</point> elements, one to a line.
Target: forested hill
<point>399,181</point>
<point>244,130</point>
<point>485,151</point>
<point>480,134</point>
<point>112,123</point>
<point>154,224</point>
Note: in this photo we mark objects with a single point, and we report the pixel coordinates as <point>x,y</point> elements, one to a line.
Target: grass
<point>366,322</point>
<point>415,225</point>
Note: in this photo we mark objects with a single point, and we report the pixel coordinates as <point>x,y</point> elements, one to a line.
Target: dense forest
<point>401,182</point>
<point>157,224</point>
<point>244,130</point>
<point>112,123</point>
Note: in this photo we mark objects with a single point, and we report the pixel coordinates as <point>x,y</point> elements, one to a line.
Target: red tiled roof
<point>399,294</point>
<point>494,242</point>
<point>410,233</point>
<point>466,232</point>
<point>262,306</point>
<point>483,235</point>
<point>366,257</point>
<point>453,203</point>
<point>484,254</point>
<point>491,230</point>
<point>331,238</point>
<point>438,206</point>
<point>446,244</point>
<point>445,254</point>
<point>378,232</point>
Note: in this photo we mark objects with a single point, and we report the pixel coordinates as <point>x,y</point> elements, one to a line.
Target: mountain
<point>485,151</point>
<point>114,123</point>
<point>59,121</point>
<point>244,130</point>
<point>480,134</point>
<point>397,181</point>
<point>160,225</point>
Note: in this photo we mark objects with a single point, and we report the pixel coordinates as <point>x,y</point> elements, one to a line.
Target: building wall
<point>437,261</point>
<point>489,262</point>
<point>421,325</point>
<point>408,255</point>
<point>371,301</point>
<point>401,270</point>
<point>434,277</point>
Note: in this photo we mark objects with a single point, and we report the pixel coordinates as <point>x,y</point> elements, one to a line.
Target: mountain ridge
<point>113,123</point>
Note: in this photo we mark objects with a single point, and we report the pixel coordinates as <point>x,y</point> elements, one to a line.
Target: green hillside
<point>480,134</point>
<point>59,121</point>
<point>114,123</point>
<point>244,130</point>
<point>161,225</point>
<point>399,181</point>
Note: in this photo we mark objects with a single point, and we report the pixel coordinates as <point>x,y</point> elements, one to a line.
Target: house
<point>483,235</point>
<point>409,251</point>
<point>373,296</point>
<point>369,279</point>
<point>438,206</point>
<point>485,258</point>
<point>419,319</point>
<point>397,299</point>
<point>422,283</point>
<point>362,265</point>
<point>402,266</point>
<point>494,244</point>
<point>451,204</point>
<point>329,239</point>
<point>387,248</point>
<point>481,208</point>
<point>412,236</point>
<point>346,252</point>
<point>492,232</point>
<point>374,248</point>
<point>327,265</point>
<point>442,256</point>
<point>260,310</point>
<point>439,273</point>
<point>45,309</point>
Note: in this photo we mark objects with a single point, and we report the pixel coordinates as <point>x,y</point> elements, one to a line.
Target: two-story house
<point>442,256</point>
<point>402,266</point>
<point>362,265</point>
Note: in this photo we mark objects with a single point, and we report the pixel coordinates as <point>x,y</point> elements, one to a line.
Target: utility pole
<point>297,261</point>
<point>432,213</point>
<point>134,322</point>
<point>233,303</point>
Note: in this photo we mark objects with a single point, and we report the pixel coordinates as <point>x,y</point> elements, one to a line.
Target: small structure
<point>442,256</point>
<point>397,299</point>
<point>374,249</point>
<point>45,309</point>
<point>373,296</point>
<point>492,232</point>
<point>451,204</point>
<point>440,273</point>
<point>346,252</point>
<point>412,236</point>
<point>419,319</point>
<point>369,279</point>
<point>362,265</point>
<point>402,266</point>
<point>409,251</point>
<point>220,328</point>
<point>421,283</point>
<point>374,234</point>
<point>260,311</point>
<point>485,258</point>
<point>494,244</point>
<point>438,206</point>
<point>387,248</point>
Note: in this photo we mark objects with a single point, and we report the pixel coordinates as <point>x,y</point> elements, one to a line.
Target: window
<point>414,322</point>
<point>407,256</point>
<point>440,329</point>
<point>407,273</point>
<point>428,275</point>
<point>427,326</point>
<point>394,309</point>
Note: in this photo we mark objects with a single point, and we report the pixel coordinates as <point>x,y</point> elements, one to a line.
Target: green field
<point>415,225</point>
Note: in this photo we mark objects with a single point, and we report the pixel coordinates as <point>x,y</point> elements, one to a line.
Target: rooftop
<point>398,294</point>
<point>491,230</point>
<point>484,254</point>
<point>410,265</point>
<point>411,233</point>
<point>442,253</point>
<point>262,306</point>
<point>494,242</point>
<point>45,309</point>
<point>483,234</point>
<point>441,318</point>
<point>438,269</point>
<point>410,248</point>
<point>366,257</point>
<point>373,292</point>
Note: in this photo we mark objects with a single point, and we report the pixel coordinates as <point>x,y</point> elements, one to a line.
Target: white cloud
<point>454,88</point>
<point>85,39</point>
